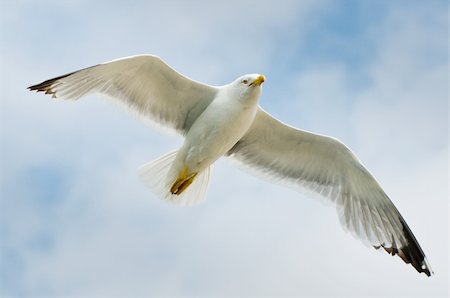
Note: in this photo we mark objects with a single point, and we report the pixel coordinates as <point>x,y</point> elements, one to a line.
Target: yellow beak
<point>259,80</point>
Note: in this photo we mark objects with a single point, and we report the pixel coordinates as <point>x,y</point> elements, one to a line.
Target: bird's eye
<point>245,81</point>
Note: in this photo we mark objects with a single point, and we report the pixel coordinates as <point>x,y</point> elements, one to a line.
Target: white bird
<point>228,121</point>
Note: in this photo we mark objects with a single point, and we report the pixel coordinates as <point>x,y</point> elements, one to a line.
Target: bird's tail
<point>159,176</point>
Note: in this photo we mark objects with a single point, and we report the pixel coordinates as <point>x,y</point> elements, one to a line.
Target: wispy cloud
<point>75,219</point>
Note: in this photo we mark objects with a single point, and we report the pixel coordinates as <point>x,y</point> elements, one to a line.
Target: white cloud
<point>109,236</point>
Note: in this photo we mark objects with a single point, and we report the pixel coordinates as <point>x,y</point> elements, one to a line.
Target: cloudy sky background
<point>76,220</point>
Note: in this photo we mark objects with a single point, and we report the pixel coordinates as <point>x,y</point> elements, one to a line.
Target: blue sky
<point>76,220</point>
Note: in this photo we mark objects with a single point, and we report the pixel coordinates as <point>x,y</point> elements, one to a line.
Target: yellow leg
<point>182,182</point>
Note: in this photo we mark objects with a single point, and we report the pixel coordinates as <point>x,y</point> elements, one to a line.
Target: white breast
<point>216,131</point>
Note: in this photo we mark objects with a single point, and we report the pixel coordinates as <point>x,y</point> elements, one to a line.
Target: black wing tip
<point>40,87</point>
<point>411,253</point>
<point>403,253</point>
<point>44,87</point>
<point>47,85</point>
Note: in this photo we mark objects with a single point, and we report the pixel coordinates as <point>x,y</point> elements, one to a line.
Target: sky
<point>75,220</point>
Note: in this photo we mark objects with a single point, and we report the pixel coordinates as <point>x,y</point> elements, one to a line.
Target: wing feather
<point>326,166</point>
<point>144,83</point>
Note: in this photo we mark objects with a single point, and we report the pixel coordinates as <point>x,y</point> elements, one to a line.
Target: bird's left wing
<point>144,83</point>
<point>327,167</point>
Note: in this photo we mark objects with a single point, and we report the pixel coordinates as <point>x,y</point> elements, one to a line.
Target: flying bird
<point>227,120</point>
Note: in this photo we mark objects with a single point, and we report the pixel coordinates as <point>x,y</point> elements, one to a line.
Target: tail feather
<point>157,175</point>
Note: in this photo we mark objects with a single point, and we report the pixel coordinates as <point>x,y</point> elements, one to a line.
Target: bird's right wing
<point>144,83</point>
<point>326,166</point>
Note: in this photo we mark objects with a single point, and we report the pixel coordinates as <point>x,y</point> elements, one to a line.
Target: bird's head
<point>249,85</point>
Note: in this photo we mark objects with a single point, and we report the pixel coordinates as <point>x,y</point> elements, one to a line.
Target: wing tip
<point>421,267</point>
<point>47,85</point>
<point>411,253</point>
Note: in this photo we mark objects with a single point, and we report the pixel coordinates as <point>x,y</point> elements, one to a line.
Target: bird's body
<point>218,128</point>
<point>228,121</point>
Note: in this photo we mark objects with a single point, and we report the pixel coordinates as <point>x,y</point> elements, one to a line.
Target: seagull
<point>228,121</point>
